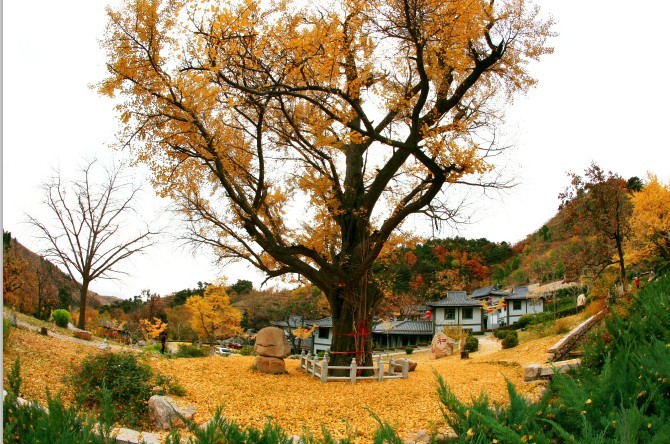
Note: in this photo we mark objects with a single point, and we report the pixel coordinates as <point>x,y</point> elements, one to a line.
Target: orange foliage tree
<point>650,224</point>
<point>598,206</point>
<point>299,136</point>
<point>212,316</point>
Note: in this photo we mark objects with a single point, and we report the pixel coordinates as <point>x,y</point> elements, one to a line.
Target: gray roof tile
<point>455,299</point>
<point>404,328</point>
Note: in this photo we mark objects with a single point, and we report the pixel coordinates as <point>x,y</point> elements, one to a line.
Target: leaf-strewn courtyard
<point>296,401</point>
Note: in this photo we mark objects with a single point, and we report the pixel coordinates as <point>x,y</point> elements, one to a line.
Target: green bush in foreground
<point>128,381</point>
<point>622,396</point>
<point>30,423</point>
<point>61,317</point>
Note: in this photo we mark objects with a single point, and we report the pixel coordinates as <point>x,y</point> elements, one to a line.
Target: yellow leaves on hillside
<point>650,223</point>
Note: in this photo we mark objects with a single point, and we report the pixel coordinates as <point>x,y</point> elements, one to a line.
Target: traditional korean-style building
<point>457,309</point>
<point>402,333</point>
<point>522,301</point>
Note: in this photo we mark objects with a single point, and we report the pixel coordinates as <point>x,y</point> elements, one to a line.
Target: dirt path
<point>55,334</point>
<point>488,344</point>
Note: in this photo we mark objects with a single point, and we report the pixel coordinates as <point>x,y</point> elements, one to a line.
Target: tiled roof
<point>404,328</point>
<point>325,322</point>
<point>491,290</point>
<point>521,293</point>
<point>482,292</point>
<point>455,299</point>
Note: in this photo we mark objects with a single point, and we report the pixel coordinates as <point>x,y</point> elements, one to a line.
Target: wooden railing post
<point>380,369</point>
<point>314,365</point>
<point>392,366</point>
<point>324,368</point>
<point>354,370</point>
<point>307,359</point>
<point>405,368</point>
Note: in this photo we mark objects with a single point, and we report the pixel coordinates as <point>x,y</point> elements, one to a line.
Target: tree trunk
<point>83,293</point>
<point>352,327</point>
<point>622,267</point>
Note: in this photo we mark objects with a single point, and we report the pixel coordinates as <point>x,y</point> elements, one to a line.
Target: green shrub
<point>498,334</point>
<point>471,344</point>
<point>247,350</point>
<point>189,351</point>
<point>6,330</point>
<point>151,348</point>
<point>512,333</point>
<point>524,321</point>
<point>510,341</point>
<point>61,317</point>
<point>127,380</point>
<point>170,385</point>
<point>409,350</point>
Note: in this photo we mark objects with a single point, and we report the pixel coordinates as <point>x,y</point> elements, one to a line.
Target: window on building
<point>516,305</point>
<point>449,314</point>
<point>467,313</point>
<point>323,332</point>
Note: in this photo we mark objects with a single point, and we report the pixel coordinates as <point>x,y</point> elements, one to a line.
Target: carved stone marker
<point>441,346</point>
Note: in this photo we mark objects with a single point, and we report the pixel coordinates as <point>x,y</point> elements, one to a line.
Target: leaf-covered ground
<point>295,400</point>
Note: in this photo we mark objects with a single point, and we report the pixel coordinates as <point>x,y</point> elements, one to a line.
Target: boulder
<point>164,413</point>
<point>83,334</point>
<point>272,342</point>
<point>273,366</point>
<point>399,363</point>
<point>441,346</point>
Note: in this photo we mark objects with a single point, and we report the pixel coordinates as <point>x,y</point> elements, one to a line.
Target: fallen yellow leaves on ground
<point>296,401</point>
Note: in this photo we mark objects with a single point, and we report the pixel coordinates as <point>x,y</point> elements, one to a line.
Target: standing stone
<point>272,342</point>
<point>267,364</point>
<point>441,346</point>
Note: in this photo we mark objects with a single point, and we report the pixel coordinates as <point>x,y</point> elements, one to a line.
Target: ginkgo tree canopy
<point>300,135</point>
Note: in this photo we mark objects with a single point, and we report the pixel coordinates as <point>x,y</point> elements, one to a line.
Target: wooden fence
<point>319,368</point>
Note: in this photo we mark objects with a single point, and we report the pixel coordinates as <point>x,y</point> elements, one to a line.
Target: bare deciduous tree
<point>89,235</point>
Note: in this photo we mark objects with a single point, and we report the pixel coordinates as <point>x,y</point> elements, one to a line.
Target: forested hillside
<point>34,285</point>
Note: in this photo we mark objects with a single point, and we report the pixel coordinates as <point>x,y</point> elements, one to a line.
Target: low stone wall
<point>561,349</point>
<point>532,372</point>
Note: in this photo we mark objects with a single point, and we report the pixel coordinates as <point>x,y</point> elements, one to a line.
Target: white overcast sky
<point>602,96</point>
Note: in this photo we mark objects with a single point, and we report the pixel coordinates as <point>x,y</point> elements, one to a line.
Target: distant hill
<point>35,285</point>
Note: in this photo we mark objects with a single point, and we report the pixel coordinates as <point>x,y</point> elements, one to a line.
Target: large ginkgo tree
<point>298,136</point>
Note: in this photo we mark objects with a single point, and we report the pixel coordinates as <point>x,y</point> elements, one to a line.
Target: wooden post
<point>392,366</point>
<point>354,369</point>
<point>314,365</point>
<point>307,358</point>
<point>324,368</point>
<point>380,369</point>
<point>44,331</point>
<point>405,368</point>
